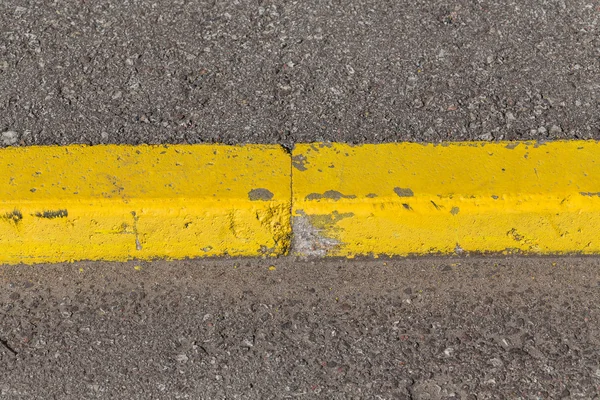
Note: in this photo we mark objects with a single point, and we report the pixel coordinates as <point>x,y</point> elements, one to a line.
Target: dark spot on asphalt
<point>455,210</point>
<point>286,326</point>
<point>16,216</point>
<point>260,194</point>
<point>403,192</point>
<point>330,194</point>
<point>50,214</point>
<point>298,162</point>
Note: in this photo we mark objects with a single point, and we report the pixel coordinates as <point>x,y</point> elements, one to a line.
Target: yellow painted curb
<point>122,202</point>
<point>178,201</point>
<point>403,199</point>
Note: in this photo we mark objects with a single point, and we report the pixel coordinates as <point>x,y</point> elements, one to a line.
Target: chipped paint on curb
<point>310,241</point>
<point>122,202</point>
<point>142,202</point>
<point>454,198</point>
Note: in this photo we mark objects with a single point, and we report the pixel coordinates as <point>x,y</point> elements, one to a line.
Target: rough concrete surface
<point>134,71</point>
<point>435,328</point>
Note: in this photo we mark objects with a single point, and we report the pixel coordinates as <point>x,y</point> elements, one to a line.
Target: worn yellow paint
<point>143,202</point>
<point>123,202</point>
<point>407,198</point>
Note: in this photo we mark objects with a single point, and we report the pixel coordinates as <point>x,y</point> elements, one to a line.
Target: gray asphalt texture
<point>435,328</point>
<point>189,71</point>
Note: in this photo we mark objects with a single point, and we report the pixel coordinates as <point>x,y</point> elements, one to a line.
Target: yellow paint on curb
<point>123,202</point>
<point>183,201</point>
<point>403,199</point>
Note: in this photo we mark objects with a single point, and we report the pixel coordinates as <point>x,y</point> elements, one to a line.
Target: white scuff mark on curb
<point>308,241</point>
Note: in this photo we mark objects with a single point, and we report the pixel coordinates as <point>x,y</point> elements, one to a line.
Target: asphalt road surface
<point>188,71</point>
<point>434,328</point>
<point>130,71</point>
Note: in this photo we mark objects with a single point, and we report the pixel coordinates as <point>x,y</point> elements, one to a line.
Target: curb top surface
<point>121,172</point>
<point>467,169</point>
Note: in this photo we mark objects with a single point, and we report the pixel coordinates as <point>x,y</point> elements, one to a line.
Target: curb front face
<point>414,199</point>
<point>122,202</point>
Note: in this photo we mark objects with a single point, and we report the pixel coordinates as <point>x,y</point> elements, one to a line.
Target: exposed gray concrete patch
<point>260,194</point>
<point>403,192</point>
<point>590,194</point>
<point>298,162</point>
<point>308,241</point>
<point>331,195</point>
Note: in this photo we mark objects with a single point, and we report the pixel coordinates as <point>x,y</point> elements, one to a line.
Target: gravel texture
<point>188,71</point>
<point>435,328</point>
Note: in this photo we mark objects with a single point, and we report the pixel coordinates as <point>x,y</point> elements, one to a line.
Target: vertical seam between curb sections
<point>291,238</point>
